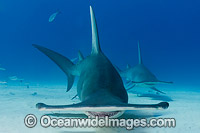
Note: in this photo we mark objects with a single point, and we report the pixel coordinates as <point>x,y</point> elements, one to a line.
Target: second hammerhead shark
<point>140,75</point>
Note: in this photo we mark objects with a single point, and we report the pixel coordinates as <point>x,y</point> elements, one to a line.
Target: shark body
<point>100,87</point>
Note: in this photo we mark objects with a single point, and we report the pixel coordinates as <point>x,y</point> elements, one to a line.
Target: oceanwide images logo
<point>46,121</point>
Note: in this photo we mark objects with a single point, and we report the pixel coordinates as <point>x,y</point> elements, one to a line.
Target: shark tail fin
<point>95,38</point>
<point>65,64</point>
<point>80,56</point>
<point>139,53</point>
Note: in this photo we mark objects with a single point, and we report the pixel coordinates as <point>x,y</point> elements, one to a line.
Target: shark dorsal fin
<point>128,66</point>
<point>80,56</point>
<point>139,53</point>
<point>95,38</point>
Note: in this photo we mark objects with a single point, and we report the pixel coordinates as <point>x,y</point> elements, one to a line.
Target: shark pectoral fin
<point>74,97</point>
<point>65,64</point>
<point>128,81</point>
<point>153,88</point>
<point>152,82</point>
<point>74,59</point>
<point>93,107</point>
<point>165,82</point>
<point>131,87</point>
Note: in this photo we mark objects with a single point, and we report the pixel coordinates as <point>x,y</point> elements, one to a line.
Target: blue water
<point>169,33</point>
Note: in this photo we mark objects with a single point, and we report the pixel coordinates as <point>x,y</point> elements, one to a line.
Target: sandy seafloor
<point>18,101</point>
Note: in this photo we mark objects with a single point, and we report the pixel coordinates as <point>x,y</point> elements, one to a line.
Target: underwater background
<point>168,31</point>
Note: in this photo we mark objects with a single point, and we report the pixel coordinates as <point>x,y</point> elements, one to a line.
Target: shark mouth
<point>112,114</point>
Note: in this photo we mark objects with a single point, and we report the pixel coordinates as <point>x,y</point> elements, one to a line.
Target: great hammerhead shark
<point>100,87</point>
<point>140,75</point>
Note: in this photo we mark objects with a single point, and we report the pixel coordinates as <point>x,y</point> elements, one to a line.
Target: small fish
<point>3,82</point>
<point>3,69</point>
<point>53,16</point>
<point>15,78</point>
